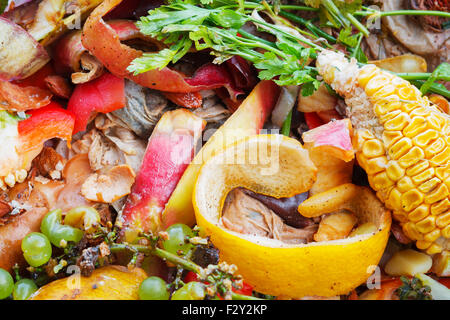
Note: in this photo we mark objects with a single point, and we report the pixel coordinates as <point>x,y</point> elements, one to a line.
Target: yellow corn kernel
<point>435,147</point>
<point>446,232</point>
<point>389,116</point>
<point>389,104</point>
<point>433,249</point>
<point>429,185</point>
<point>415,127</point>
<point>400,216</point>
<point>440,207</point>
<point>414,155</point>
<point>423,176</point>
<point>439,193</point>
<point>419,213</point>
<point>411,199</point>
<point>443,220</point>
<point>366,74</point>
<point>398,122</point>
<point>394,170</point>
<point>426,225</point>
<point>432,235</point>
<point>394,199</point>
<point>391,137</point>
<point>441,158</point>
<point>400,148</point>
<point>375,164</point>
<point>375,84</point>
<point>411,231</point>
<point>381,181</point>
<point>405,184</point>
<point>417,168</point>
<point>424,138</point>
<point>373,148</point>
<point>422,244</point>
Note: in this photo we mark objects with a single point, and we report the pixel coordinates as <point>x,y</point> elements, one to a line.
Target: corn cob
<point>402,142</point>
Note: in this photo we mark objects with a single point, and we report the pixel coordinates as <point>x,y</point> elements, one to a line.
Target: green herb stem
<point>357,24</point>
<point>286,128</point>
<point>370,12</point>
<point>335,12</point>
<point>287,34</point>
<point>309,25</point>
<point>420,76</point>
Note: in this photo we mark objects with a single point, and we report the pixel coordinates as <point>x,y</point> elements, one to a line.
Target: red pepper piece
<point>51,121</point>
<point>313,120</point>
<point>104,94</point>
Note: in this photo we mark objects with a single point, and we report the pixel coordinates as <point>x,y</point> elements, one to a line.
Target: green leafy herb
<point>3,5</point>
<point>443,70</point>
<point>413,289</point>
<point>182,26</point>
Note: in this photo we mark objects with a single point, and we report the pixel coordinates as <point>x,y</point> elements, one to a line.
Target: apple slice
<point>330,148</point>
<point>169,151</point>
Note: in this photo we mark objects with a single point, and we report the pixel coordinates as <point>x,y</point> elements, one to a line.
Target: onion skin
<point>22,55</point>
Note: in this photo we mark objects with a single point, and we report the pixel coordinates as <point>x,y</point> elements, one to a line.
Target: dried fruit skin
<point>402,142</point>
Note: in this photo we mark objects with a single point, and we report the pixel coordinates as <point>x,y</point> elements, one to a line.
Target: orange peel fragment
<point>273,267</point>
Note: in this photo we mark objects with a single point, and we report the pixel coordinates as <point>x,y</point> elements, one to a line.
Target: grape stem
<point>167,256</point>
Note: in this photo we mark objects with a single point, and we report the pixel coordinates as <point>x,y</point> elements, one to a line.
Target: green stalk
<point>369,12</point>
<point>249,5</point>
<point>357,24</point>
<point>433,88</point>
<point>420,76</point>
<point>255,38</point>
<point>286,128</point>
<point>167,256</point>
<point>335,12</point>
<point>308,24</point>
<point>315,46</point>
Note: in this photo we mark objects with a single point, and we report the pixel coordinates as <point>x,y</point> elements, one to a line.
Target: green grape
<point>177,238</point>
<point>58,233</point>
<point>36,248</point>
<point>190,291</point>
<point>153,288</point>
<point>6,284</point>
<point>23,289</point>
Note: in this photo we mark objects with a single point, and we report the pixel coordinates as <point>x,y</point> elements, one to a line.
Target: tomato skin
<point>51,121</point>
<point>313,120</point>
<point>104,94</point>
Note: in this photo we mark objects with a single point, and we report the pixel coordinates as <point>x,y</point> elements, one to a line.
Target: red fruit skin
<point>51,121</point>
<point>104,94</point>
<point>169,151</point>
<point>313,120</point>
